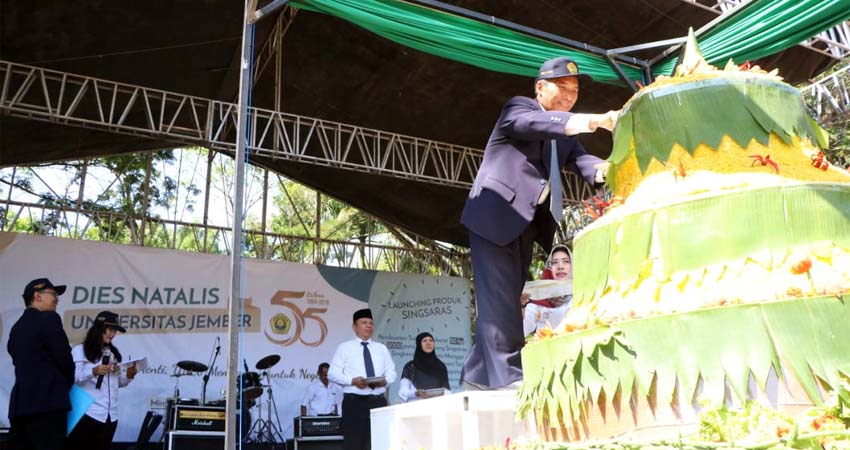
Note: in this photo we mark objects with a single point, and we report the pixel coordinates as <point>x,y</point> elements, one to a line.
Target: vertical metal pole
<point>245,75</point>
<point>210,119</point>
<point>80,197</point>
<point>316,250</point>
<point>177,199</point>
<point>9,199</point>
<point>146,198</point>
<point>278,64</point>
<point>263,253</point>
<point>210,158</point>
<point>278,75</point>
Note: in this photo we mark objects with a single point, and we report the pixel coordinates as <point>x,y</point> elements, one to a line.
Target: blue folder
<point>80,402</point>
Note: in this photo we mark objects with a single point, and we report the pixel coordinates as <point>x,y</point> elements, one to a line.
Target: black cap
<point>561,67</point>
<point>109,319</point>
<point>40,284</point>
<point>364,313</point>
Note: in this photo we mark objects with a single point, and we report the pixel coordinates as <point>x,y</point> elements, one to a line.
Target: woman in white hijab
<point>550,311</point>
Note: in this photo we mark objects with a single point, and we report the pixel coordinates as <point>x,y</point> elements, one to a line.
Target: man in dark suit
<point>44,371</point>
<point>516,200</point>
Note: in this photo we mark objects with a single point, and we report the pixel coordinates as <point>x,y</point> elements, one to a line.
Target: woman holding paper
<point>550,311</point>
<point>97,372</point>
<point>425,375</point>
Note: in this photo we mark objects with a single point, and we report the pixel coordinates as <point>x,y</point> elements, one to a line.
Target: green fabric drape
<point>461,39</point>
<point>764,28</point>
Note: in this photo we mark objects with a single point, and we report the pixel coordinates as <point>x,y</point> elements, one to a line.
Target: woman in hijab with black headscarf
<point>425,372</point>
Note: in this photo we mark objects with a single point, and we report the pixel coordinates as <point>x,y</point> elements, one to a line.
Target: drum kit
<point>263,429</point>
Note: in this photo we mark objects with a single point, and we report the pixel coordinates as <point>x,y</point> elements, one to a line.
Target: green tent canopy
<point>459,38</point>
<point>764,27</point>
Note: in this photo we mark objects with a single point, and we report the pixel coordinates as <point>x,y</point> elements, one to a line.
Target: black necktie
<point>367,360</point>
<point>556,191</point>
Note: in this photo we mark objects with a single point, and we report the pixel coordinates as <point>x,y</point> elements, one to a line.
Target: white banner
<point>174,304</point>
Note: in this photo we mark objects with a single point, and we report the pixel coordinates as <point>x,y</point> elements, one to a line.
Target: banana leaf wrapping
<point>692,234</point>
<point>702,112</point>
<point>647,360</point>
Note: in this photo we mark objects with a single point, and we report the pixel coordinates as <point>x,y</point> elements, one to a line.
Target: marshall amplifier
<point>198,418</point>
<point>309,426</point>
<point>195,440</point>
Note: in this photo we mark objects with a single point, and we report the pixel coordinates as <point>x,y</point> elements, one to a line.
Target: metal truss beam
<point>271,47</point>
<point>829,97</point>
<point>351,254</point>
<point>834,42</point>
<point>63,98</point>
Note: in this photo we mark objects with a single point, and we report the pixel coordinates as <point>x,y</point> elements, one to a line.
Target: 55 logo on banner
<point>296,322</point>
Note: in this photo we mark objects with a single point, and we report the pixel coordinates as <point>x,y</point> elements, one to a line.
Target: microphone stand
<point>209,371</point>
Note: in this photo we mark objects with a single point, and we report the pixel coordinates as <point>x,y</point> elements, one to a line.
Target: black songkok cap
<point>362,313</point>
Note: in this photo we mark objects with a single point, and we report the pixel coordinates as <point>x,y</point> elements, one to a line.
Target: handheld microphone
<point>105,360</point>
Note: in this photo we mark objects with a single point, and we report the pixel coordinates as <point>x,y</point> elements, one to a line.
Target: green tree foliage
<point>839,144</point>
<point>838,152</point>
<point>115,214</point>
<point>159,214</point>
<point>128,196</point>
<point>336,220</point>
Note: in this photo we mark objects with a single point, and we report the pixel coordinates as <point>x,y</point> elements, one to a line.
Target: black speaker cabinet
<point>195,440</point>
<point>318,443</point>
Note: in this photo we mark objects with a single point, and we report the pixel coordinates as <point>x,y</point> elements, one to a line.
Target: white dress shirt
<point>106,398</point>
<point>321,399</point>
<point>577,123</point>
<point>537,316</point>
<point>348,364</point>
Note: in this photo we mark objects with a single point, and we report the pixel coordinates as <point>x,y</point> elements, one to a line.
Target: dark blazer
<point>44,369</point>
<point>515,170</point>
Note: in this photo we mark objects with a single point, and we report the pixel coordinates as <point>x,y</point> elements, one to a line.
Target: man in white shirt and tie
<point>323,397</point>
<point>354,362</point>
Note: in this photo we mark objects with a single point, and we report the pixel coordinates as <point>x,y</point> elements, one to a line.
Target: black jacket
<point>44,370</point>
<point>515,168</point>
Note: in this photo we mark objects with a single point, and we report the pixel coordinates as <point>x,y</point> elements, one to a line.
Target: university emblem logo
<point>280,324</point>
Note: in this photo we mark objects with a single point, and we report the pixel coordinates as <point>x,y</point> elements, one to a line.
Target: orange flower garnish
<point>802,266</point>
<point>544,333</point>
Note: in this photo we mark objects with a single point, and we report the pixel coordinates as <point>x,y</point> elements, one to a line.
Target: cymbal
<point>192,366</point>
<point>267,362</point>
